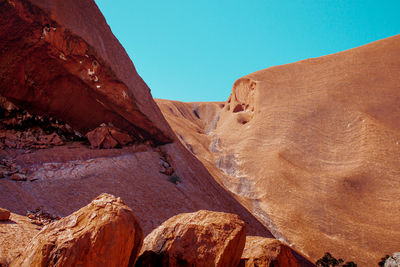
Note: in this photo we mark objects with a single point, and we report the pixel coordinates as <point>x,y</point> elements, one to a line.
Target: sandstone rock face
<point>202,239</point>
<point>103,233</point>
<point>15,235</point>
<point>266,252</point>
<point>311,148</point>
<point>60,59</point>
<point>4,214</point>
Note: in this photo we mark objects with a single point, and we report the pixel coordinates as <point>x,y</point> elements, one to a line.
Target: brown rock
<point>107,137</point>
<point>51,139</point>
<point>103,233</point>
<point>121,138</point>
<point>4,214</point>
<point>266,252</point>
<point>204,238</point>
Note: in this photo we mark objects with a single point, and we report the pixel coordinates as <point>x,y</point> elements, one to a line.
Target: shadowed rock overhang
<point>62,60</point>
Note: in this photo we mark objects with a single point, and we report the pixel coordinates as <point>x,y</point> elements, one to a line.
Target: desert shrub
<point>383,260</point>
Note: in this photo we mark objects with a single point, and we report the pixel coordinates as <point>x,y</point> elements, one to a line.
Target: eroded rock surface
<point>266,252</point>
<point>311,148</point>
<point>202,239</point>
<point>15,234</point>
<point>107,137</point>
<point>60,59</point>
<point>104,233</point>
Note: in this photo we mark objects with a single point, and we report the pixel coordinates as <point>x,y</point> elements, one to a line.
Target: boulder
<point>4,214</point>
<point>104,233</point>
<point>266,252</point>
<point>203,238</point>
<point>107,137</point>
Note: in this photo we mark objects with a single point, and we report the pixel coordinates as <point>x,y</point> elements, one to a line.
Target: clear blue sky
<point>194,50</point>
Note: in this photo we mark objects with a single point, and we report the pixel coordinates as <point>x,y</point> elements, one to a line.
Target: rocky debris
<point>104,233</point>
<point>166,169</point>
<point>266,252</point>
<point>203,238</point>
<point>18,177</point>
<point>21,130</point>
<point>107,137</point>
<point>9,168</point>
<point>4,214</point>
<point>165,166</point>
<point>40,217</point>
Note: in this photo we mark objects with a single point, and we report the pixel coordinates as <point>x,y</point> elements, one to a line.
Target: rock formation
<point>104,233</point>
<point>60,59</point>
<point>107,137</point>
<point>65,73</point>
<point>311,148</point>
<point>4,214</point>
<point>15,235</point>
<point>202,239</point>
<point>266,252</point>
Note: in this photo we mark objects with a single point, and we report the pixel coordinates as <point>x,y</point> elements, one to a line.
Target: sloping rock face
<point>60,59</point>
<point>104,233</point>
<point>266,252</point>
<point>312,149</point>
<point>15,235</point>
<point>203,238</point>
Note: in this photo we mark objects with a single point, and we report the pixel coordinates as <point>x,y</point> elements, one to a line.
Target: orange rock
<point>265,252</point>
<point>204,238</point>
<point>4,214</point>
<point>104,233</point>
<point>295,145</point>
<point>15,234</point>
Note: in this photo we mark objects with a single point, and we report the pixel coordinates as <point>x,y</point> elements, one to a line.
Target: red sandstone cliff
<point>60,62</point>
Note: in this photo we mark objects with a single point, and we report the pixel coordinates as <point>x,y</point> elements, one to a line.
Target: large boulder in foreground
<point>103,233</point>
<point>203,238</point>
<point>60,59</point>
<point>266,252</point>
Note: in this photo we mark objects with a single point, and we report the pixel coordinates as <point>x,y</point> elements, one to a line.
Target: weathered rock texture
<point>311,148</point>
<point>60,59</point>
<point>4,214</point>
<point>107,137</point>
<point>266,252</point>
<point>202,239</point>
<point>15,235</point>
<point>104,233</point>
